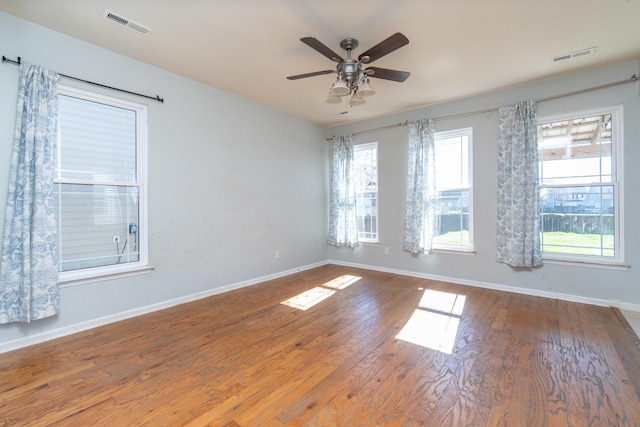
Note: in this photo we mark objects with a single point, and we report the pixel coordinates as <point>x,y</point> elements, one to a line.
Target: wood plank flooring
<point>384,350</point>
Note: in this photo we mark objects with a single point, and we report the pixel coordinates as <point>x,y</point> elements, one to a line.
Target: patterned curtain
<point>420,218</point>
<point>29,260</point>
<point>343,228</point>
<point>518,237</point>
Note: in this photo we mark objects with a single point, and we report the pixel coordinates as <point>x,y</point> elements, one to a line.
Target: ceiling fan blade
<point>387,74</point>
<point>315,73</point>
<point>316,44</point>
<point>385,47</point>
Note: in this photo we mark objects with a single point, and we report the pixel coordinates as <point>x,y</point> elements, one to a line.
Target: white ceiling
<point>457,47</point>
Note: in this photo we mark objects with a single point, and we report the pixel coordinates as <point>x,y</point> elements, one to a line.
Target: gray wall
<point>584,283</point>
<point>222,198</point>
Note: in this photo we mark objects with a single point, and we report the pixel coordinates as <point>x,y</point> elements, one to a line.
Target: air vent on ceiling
<point>121,20</point>
<point>575,54</point>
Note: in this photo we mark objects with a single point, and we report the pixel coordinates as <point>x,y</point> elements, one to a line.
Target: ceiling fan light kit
<point>353,79</point>
<point>357,99</point>
<point>333,99</point>
<point>365,88</point>
<point>340,88</point>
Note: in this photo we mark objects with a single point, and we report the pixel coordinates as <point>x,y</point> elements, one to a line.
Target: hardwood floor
<point>383,350</point>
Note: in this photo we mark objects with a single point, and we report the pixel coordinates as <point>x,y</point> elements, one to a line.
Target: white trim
<point>94,323</point>
<point>366,146</point>
<point>582,263</point>
<point>116,317</point>
<point>494,286</point>
<point>370,146</point>
<point>460,132</point>
<point>85,275</point>
<point>93,96</point>
<point>635,308</point>
<point>453,250</point>
<point>109,274</point>
<point>617,181</point>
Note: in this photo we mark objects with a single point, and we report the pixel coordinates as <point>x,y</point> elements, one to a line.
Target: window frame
<point>617,182</point>
<point>92,274</point>
<point>363,147</point>
<point>468,132</point>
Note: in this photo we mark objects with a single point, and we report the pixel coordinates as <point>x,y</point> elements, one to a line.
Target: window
<point>579,185</point>
<point>100,185</point>
<point>366,166</point>
<point>453,190</point>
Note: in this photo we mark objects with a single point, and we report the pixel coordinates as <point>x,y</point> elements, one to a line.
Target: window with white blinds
<point>100,184</point>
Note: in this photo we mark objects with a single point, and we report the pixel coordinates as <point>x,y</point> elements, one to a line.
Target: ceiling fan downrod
<point>350,68</point>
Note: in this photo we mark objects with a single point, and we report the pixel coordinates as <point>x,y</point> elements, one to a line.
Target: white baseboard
<point>94,323</point>
<point>116,317</point>
<point>524,291</point>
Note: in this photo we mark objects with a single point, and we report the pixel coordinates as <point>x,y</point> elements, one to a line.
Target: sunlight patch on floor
<point>308,299</point>
<point>342,281</point>
<point>434,324</point>
<point>432,330</point>
<point>444,302</point>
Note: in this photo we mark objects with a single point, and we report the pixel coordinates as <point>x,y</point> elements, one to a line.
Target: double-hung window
<point>366,167</point>
<point>453,190</point>
<point>580,185</point>
<point>100,185</point>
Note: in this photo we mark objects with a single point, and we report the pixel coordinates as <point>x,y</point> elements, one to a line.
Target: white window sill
<point>75,278</point>
<point>467,252</point>
<point>588,264</point>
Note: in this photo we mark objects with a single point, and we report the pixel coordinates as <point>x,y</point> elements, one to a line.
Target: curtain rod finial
<point>5,59</point>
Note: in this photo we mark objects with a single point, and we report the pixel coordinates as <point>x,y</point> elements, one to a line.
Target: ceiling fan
<point>353,78</point>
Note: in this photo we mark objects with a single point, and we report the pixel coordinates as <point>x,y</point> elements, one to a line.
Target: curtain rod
<point>155,98</point>
<point>633,78</point>
<point>375,129</point>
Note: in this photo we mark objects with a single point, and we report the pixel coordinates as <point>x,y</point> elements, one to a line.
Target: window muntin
<point>579,185</point>
<point>453,190</point>
<point>100,185</point>
<point>366,166</point>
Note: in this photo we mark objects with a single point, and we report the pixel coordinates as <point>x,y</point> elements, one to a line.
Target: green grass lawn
<point>568,243</point>
<point>579,244</point>
<point>452,238</point>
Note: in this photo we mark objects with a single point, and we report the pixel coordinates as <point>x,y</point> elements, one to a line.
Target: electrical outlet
<point>277,254</point>
<point>116,239</point>
<point>386,250</point>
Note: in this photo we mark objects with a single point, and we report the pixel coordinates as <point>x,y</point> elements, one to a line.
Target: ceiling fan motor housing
<point>350,69</point>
